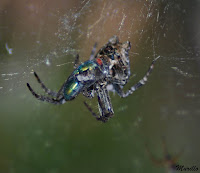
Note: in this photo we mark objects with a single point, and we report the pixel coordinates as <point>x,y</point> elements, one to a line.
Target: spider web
<point>154,29</point>
<point>46,35</point>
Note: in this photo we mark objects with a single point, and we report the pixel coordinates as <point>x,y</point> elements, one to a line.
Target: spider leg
<point>77,61</point>
<point>48,91</point>
<point>89,92</point>
<point>104,104</point>
<point>90,109</point>
<point>113,40</point>
<point>169,161</point>
<point>44,98</point>
<point>99,118</point>
<point>154,160</point>
<point>173,159</point>
<point>137,85</point>
<point>59,94</point>
<point>165,151</point>
<point>93,51</point>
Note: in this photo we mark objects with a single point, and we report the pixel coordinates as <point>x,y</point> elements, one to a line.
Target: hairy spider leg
<point>103,119</point>
<point>90,109</point>
<point>142,82</point>
<point>48,91</point>
<point>76,61</point>
<point>104,103</point>
<point>89,92</point>
<point>158,162</point>
<point>92,55</point>
<point>44,98</point>
<point>168,160</point>
<point>172,161</point>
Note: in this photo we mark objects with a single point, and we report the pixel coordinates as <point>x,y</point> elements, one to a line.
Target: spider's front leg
<point>142,82</point>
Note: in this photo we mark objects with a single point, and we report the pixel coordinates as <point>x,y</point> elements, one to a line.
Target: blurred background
<point>46,35</point>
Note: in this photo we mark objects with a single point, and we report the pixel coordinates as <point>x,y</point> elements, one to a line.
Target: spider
<point>169,161</point>
<point>110,66</point>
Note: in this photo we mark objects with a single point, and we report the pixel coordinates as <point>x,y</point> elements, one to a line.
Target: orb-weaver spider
<point>109,66</point>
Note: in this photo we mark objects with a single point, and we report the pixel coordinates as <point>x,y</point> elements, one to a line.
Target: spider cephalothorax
<point>116,55</point>
<point>110,66</point>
